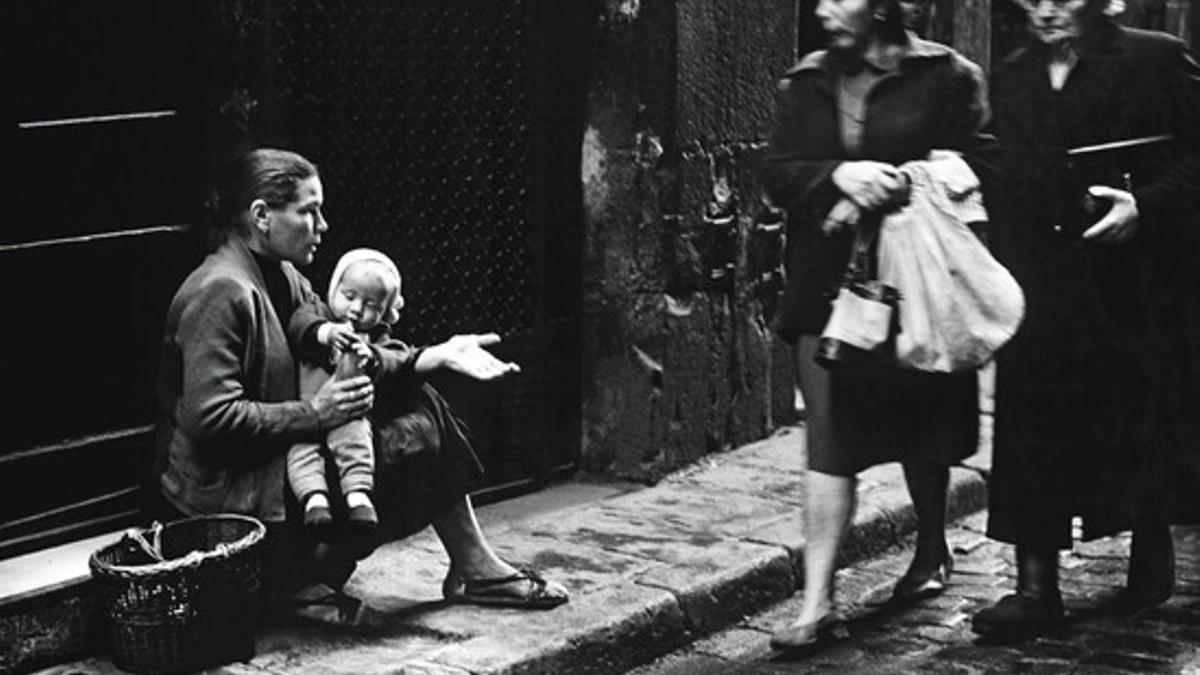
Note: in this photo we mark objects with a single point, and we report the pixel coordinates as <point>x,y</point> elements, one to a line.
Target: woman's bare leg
<point>829,499</point>
<point>829,506</point>
<point>472,557</point>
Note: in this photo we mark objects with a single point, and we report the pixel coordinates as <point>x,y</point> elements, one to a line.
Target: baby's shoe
<point>317,515</point>
<point>360,513</point>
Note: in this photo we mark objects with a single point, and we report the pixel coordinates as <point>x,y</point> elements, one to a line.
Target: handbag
<point>861,330</point>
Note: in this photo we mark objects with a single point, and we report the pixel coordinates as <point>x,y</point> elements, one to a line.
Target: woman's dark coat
<point>1093,394</point>
<point>936,101</point>
<point>932,99</point>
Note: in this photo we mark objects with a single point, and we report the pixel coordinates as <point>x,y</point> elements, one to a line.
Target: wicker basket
<point>181,597</point>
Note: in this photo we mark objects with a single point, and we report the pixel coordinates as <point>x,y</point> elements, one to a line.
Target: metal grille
<point>448,135</point>
<point>420,114</point>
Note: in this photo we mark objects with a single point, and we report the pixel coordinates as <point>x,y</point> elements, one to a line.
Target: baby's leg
<point>306,475</point>
<point>306,462</point>
<point>354,455</point>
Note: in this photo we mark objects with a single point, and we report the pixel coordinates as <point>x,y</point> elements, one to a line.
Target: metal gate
<point>448,136</point>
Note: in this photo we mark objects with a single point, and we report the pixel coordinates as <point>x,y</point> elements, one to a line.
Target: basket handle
<point>152,548</point>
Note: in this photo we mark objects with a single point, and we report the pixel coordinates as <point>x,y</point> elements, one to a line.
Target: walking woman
<point>230,409</point>
<point>846,117</point>
<point>1098,218</point>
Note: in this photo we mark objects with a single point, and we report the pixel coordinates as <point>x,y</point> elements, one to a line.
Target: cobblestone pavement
<point>935,637</point>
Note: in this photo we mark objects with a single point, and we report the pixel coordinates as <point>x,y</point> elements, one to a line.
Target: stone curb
<point>695,600</point>
<point>652,570</point>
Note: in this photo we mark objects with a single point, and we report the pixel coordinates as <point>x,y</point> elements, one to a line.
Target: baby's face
<point>361,297</point>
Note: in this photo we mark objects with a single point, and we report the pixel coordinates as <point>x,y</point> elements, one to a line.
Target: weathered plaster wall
<point>678,254</point>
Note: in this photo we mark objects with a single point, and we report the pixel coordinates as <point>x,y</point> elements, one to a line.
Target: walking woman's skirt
<point>857,421</point>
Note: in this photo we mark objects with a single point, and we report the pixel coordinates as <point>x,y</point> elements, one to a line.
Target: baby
<point>364,299</point>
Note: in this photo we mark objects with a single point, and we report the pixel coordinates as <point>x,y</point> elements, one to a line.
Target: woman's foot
<point>476,572</point>
<point>511,587</point>
<point>1034,608</point>
<point>1018,616</point>
<point>1151,577</point>
<point>924,578</point>
<point>808,634</point>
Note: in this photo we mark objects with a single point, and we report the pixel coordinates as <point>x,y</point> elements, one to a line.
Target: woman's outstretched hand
<point>339,401</point>
<point>466,354</point>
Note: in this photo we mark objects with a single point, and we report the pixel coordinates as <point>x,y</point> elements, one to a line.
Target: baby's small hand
<point>366,355</point>
<point>338,335</point>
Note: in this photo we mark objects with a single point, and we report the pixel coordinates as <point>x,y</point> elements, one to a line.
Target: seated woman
<point>229,409</point>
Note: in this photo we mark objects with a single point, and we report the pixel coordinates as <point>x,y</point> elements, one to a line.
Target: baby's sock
<point>316,510</point>
<point>361,511</point>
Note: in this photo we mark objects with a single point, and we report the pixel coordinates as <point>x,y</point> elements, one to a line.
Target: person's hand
<point>466,354</point>
<point>339,335</point>
<point>1121,221</point>
<point>871,184</point>
<point>844,214</point>
<point>339,401</point>
<point>365,355</point>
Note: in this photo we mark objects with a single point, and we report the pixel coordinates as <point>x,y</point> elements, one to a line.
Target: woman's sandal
<point>498,592</point>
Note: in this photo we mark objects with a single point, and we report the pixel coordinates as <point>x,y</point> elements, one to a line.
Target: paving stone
<point>728,581</point>
<point>935,636</point>
<point>736,643</point>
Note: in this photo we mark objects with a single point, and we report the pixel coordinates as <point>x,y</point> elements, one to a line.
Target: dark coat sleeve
<point>795,176</point>
<point>966,124</point>
<point>397,360</point>
<point>302,331</point>
<point>1173,195</point>
<point>215,404</point>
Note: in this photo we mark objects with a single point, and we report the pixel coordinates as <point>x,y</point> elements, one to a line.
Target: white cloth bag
<point>958,304</point>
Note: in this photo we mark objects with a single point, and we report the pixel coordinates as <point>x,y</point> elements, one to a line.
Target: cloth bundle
<point>958,304</point>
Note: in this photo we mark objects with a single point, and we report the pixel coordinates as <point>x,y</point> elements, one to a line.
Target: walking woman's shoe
<point>1017,617</point>
<point>828,629</point>
<point>913,586</point>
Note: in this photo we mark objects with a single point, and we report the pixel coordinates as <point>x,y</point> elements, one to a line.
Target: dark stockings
<point>1152,560</point>
<point>927,484</point>
<point>1037,573</point>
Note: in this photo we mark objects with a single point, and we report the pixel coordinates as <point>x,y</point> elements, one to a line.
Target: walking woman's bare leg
<point>828,508</point>
<point>829,498</point>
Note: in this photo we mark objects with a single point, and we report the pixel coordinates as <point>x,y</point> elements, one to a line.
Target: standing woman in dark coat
<point>1084,395</point>
<point>846,117</point>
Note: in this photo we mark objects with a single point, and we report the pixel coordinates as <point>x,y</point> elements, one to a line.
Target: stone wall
<point>680,251</point>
